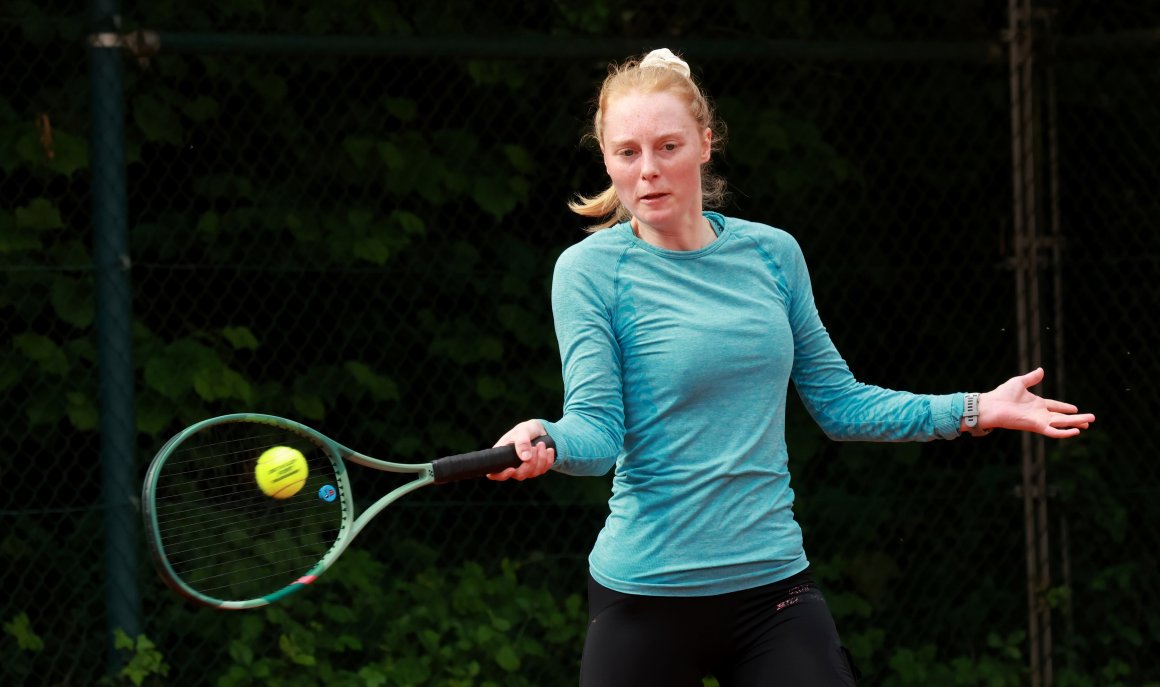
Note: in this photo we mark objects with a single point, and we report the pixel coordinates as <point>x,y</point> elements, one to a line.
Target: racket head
<point>216,538</point>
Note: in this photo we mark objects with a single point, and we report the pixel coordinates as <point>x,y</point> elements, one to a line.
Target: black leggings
<point>779,635</point>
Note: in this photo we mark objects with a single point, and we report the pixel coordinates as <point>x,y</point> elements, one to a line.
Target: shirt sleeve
<point>590,434</point>
<point>846,409</point>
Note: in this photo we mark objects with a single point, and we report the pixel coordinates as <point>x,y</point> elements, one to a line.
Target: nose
<point>648,165</point>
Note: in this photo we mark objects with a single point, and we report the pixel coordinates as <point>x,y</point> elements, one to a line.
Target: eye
<point>670,147</point>
<point>627,152</point>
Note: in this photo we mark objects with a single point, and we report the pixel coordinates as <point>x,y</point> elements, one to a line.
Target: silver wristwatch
<point>971,416</point>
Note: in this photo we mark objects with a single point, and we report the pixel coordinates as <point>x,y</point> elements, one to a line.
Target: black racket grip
<point>480,463</point>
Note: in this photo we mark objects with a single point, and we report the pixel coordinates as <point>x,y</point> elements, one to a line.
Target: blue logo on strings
<point>327,493</point>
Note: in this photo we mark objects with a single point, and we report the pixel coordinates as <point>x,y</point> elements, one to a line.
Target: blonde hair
<point>658,71</point>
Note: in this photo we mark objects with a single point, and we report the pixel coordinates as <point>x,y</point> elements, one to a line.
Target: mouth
<point>650,197</point>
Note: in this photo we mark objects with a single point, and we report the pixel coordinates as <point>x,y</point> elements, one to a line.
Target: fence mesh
<point>364,243</point>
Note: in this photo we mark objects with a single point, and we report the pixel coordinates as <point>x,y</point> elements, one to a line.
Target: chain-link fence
<point>359,234</point>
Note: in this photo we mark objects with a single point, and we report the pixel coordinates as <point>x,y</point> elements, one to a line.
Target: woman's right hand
<point>537,459</point>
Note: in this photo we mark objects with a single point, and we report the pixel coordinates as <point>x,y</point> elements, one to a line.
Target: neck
<point>692,235</point>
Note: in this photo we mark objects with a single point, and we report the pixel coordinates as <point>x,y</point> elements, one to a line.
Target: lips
<point>652,196</point>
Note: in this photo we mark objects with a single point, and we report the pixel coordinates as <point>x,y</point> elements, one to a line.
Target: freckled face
<point>653,151</point>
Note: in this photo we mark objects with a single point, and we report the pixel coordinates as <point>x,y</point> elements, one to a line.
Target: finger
<point>1032,378</point>
<point>1060,407</point>
<point>503,475</point>
<point>1074,420</point>
<point>540,462</point>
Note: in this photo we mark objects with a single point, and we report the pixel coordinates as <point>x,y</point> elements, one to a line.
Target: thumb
<point>1033,377</point>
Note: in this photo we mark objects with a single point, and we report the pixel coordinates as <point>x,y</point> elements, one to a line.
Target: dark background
<point>361,238</point>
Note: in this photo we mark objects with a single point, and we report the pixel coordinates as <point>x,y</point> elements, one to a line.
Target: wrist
<point>973,422</point>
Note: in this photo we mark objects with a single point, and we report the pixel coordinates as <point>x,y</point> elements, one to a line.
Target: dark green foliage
<point>365,244</point>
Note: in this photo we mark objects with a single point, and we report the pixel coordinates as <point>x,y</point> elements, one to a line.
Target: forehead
<point>637,114</point>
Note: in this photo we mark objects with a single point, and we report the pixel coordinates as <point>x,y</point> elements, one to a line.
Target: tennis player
<point>679,331</point>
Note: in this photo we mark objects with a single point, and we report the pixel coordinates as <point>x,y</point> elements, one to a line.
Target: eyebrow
<point>661,136</point>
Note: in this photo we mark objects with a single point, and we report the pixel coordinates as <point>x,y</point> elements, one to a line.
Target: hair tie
<point>664,58</point>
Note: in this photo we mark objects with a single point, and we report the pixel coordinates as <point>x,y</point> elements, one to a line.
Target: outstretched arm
<point>1011,405</point>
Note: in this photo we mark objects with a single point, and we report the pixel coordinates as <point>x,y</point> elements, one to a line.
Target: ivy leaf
<point>520,159</point>
<point>358,149</point>
<point>39,215</point>
<point>14,239</point>
<point>81,411</point>
<point>69,153</point>
<point>402,109</point>
<point>409,222</point>
<point>309,406</point>
<point>44,352</point>
<point>241,338</point>
<point>201,109</point>
<point>381,387</point>
<point>72,300</point>
<point>20,628</point>
<point>221,383</point>
<point>507,659</point>
<point>157,120</point>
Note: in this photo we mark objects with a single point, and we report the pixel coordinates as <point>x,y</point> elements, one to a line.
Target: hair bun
<point>664,58</point>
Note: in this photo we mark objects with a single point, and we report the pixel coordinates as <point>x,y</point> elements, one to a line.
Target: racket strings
<point>221,535</point>
<point>186,512</point>
<point>197,544</point>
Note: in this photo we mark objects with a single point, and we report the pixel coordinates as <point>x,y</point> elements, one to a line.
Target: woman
<point>679,332</point>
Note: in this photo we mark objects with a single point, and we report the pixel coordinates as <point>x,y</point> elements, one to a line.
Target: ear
<point>706,145</point>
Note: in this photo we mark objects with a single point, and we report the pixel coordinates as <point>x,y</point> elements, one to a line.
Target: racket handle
<point>480,463</point>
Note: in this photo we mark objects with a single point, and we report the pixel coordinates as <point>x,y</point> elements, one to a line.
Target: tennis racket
<point>218,539</point>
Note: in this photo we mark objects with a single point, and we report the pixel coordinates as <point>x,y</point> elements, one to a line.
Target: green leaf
<point>170,371</point>
<point>121,640</point>
<point>42,350</point>
<point>359,148</point>
<point>81,410</point>
<point>381,387</point>
<point>69,153</point>
<point>157,120</point>
<point>495,194</point>
<point>241,652</point>
<point>221,383</point>
<point>391,155</point>
<point>372,676</point>
<point>309,406</point>
<point>14,239</point>
<point>201,108</point>
<point>209,224</point>
<point>241,338</point>
<point>402,109</point>
<point>507,659</point>
<point>153,413</point>
<point>72,300</point>
<point>520,158</point>
<point>372,249</point>
<point>409,222</point>
<point>20,628</point>
<point>39,215</point>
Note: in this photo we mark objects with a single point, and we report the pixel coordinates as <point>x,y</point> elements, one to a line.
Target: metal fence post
<point>114,324</point>
<point>1026,121</point>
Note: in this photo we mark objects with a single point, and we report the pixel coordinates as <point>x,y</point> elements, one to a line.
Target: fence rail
<point>358,232</point>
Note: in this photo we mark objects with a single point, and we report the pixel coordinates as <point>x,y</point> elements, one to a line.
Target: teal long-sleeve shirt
<point>676,367</point>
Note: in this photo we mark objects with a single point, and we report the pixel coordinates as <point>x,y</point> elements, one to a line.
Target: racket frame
<point>348,530</point>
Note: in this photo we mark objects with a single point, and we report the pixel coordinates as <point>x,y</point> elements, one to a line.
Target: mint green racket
<point>217,537</point>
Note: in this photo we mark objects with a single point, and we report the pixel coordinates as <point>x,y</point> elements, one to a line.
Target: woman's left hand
<point>1011,405</point>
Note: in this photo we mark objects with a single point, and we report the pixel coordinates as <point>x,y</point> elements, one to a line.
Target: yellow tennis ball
<point>281,471</point>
